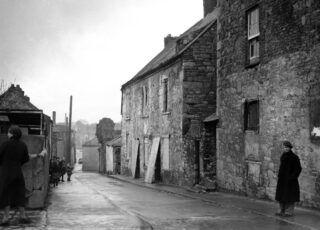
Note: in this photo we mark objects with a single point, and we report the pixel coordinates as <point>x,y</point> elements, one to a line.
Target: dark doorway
<point>138,164</point>
<point>209,154</point>
<point>197,162</point>
<point>157,170</point>
<point>118,160</point>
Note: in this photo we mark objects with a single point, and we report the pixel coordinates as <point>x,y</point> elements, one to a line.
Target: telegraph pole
<point>70,134</point>
<point>66,138</point>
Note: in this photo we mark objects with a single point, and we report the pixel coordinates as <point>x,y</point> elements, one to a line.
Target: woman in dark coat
<point>288,191</point>
<point>13,154</point>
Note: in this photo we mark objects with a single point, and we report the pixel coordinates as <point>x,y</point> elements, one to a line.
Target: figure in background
<point>13,154</point>
<point>69,171</point>
<point>288,191</point>
<point>62,168</point>
<point>54,171</point>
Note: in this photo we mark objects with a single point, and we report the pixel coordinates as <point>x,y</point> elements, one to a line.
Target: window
<point>144,99</point>
<point>165,95</point>
<point>253,35</point>
<point>145,89</point>
<point>314,113</point>
<point>251,115</point>
<point>128,153</point>
<point>127,103</point>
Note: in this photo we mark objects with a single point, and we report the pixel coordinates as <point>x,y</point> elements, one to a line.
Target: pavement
<point>37,217</point>
<point>304,218</point>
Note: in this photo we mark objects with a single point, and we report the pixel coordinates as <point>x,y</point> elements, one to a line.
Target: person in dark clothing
<point>13,154</point>
<point>288,191</point>
<point>54,171</point>
<point>62,168</point>
<point>69,171</point>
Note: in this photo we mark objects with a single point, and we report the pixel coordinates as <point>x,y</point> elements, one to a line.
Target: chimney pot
<point>209,6</point>
<point>54,117</point>
<point>168,39</point>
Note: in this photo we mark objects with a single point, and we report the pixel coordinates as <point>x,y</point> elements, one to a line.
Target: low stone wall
<point>36,172</point>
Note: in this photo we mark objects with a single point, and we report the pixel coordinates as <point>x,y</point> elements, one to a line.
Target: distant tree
<point>84,131</point>
<point>105,130</point>
<point>3,86</point>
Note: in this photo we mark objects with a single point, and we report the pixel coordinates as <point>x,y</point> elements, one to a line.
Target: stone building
<point>164,107</point>
<point>224,95</point>
<point>113,156</point>
<point>90,155</point>
<point>61,143</point>
<point>268,91</point>
<point>60,138</point>
<point>36,127</point>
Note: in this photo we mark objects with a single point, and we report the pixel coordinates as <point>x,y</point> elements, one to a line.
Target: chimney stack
<point>168,39</point>
<point>209,6</point>
<point>54,117</point>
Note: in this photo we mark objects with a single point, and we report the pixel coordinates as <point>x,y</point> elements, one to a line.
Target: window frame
<point>165,95</point>
<point>128,105</point>
<point>249,118</point>
<point>142,100</point>
<point>250,13</point>
<point>128,153</point>
<point>253,35</point>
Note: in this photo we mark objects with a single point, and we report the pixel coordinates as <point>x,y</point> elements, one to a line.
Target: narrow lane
<point>160,209</point>
<point>76,205</point>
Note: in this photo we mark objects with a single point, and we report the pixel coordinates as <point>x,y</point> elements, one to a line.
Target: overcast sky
<point>85,48</point>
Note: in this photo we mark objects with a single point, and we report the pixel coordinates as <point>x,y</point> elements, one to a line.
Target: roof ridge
<point>170,52</point>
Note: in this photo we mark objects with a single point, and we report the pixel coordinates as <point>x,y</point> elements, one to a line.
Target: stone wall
<point>192,97</point>
<point>36,172</point>
<point>199,93</point>
<point>209,6</point>
<point>286,84</point>
<point>90,158</point>
<point>143,121</point>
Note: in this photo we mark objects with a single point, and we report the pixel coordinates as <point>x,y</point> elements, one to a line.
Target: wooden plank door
<point>152,160</point>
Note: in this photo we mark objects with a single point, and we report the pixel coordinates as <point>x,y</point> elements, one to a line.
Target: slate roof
<point>14,99</point>
<point>116,142</point>
<point>171,51</point>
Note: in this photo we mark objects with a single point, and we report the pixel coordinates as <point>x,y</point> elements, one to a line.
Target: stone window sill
<point>166,113</point>
<point>252,63</point>
<point>252,131</point>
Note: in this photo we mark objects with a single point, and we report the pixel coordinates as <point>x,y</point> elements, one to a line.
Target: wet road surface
<point>102,202</point>
<point>94,201</point>
<point>78,205</point>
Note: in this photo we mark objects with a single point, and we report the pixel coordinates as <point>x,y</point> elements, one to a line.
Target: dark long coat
<point>288,190</point>
<point>13,154</point>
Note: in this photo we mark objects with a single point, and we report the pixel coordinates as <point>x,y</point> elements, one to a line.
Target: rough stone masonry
<point>283,83</point>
